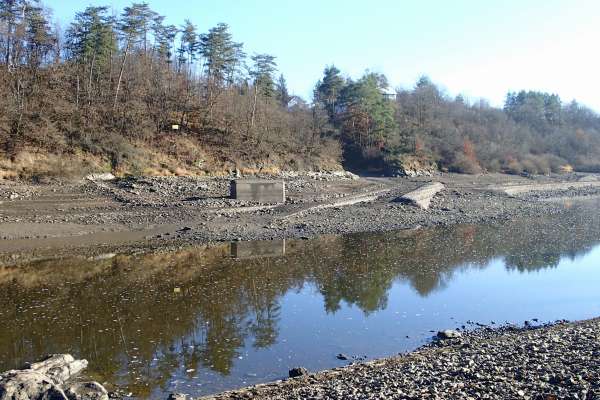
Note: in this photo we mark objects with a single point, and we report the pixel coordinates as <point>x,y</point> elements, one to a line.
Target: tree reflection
<point>142,320</point>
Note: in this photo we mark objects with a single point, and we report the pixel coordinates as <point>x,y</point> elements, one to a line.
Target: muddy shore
<point>552,362</point>
<point>137,214</point>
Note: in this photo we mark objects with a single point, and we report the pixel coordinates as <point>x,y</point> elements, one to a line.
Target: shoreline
<point>558,360</point>
<point>143,214</point>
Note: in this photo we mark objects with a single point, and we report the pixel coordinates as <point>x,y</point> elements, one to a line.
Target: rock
<point>102,177</point>
<point>298,372</point>
<point>448,334</point>
<point>13,196</point>
<point>177,396</point>
<point>59,367</point>
<point>101,257</point>
<point>352,176</point>
<point>86,391</point>
<point>28,384</point>
<point>342,357</point>
<point>46,380</point>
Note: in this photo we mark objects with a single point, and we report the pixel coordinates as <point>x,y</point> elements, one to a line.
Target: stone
<point>46,380</point>
<point>102,177</point>
<point>448,334</point>
<point>28,384</point>
<point>298,372</point>
<point>177,396</point>
<point>86,391</point>
<point>342,357</point>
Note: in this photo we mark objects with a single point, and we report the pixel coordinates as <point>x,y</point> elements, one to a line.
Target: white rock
<point>106,176</point>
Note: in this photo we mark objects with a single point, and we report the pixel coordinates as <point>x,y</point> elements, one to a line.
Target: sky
<point>477,48</point>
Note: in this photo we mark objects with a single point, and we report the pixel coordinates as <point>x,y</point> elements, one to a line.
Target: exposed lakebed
<point>206,319</point>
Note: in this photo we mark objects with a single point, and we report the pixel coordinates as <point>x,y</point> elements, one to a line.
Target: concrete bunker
<point>258,190</point>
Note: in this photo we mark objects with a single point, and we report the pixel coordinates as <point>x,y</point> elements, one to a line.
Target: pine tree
<point>221,54</point>
<point>329,89</point>
<point>283,95</point>
<point>189,43</point>
<point>262,72</point>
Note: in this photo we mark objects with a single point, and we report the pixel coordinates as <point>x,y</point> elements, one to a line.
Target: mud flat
<point>551,362</point>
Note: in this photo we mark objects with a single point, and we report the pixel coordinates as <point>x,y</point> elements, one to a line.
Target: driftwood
<point>48,380</point>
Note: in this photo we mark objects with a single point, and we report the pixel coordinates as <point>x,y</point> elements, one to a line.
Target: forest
<point>131,94</point>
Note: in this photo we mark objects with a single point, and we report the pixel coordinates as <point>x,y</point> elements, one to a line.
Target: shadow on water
<point>211,318</point>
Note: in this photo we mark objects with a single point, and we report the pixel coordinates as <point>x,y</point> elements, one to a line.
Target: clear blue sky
<point>478,48</point>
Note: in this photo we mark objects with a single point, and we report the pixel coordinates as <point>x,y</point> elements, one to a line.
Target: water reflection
<point>198,315</point>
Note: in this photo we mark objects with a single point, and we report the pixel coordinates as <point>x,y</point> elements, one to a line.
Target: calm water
<point>203,320</point>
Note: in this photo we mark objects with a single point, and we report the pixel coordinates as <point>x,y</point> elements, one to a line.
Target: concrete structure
<point>262,191</point>
<point>515,190</point>
<point>423,195</point>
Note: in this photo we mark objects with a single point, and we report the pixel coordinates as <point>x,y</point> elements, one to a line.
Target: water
<point>206,319</point>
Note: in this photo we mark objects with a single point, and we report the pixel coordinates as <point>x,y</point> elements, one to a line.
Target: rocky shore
<point>561,361</point>
<point>40,220</point>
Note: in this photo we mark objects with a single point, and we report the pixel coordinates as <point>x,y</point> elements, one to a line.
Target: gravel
<point>176,211</point>
<point>561,361</point>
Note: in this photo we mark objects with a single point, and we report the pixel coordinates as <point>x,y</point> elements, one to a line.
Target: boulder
<point>47,380</point>
<point>449,334</point>
<point>298,372</point>
<point>101,177</point>
<point>86,391</point>
<point>177,396</point>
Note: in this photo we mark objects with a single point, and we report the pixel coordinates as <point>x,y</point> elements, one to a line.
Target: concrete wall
<point>262,191</point>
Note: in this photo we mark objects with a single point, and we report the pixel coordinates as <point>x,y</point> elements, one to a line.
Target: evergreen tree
<point>262,72</point>
<point>221,54</point>
<point>328,90</point>
<point>189,43</point>
<point>164,37</point>
<point>368,115</point>
<point>283,95</point>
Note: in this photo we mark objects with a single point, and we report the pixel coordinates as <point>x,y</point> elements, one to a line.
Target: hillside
<point>132,95</point>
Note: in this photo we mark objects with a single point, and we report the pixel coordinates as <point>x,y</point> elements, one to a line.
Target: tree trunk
<point>90,79</point>
<point>253,116</point>
<point>121,75</point>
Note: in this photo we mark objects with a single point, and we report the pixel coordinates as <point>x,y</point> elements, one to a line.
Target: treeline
<point>534,132</point>
<point>114,87</point>
<point>110,88</point>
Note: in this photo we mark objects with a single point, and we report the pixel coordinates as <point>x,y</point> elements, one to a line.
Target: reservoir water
<point>210,318</point>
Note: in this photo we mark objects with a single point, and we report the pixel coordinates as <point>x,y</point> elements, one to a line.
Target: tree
<point>164,38</point>
<point>133,23</point>
<point>329,89</point>
<point>368,118</point>
<point>221,55</point>
<point>262,73</point>
<point>189,43</point>
<point>282,93</point>
<point>220,52</point>
<point>90,43</point>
